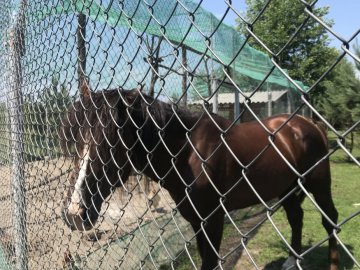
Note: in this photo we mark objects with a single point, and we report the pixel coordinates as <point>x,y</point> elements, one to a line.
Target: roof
<point>258,97</point>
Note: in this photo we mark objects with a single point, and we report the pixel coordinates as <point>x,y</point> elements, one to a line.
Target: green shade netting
<point>180,22</point>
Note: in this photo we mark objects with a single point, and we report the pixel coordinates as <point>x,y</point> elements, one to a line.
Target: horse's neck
<point>171,128</point>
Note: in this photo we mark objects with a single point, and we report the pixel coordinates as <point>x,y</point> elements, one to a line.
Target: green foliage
<point>357,52</point>
<point>308,56</point>
<point>341,102</point>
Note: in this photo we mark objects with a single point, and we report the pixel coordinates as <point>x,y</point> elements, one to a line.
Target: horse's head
<point>92,132</point>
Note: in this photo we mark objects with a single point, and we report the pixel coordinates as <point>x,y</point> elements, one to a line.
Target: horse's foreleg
<point>208,240</point>
<point>294,213</point>
<point>199,238</point>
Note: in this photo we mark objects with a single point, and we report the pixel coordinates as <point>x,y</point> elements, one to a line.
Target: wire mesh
<point>78,76</point>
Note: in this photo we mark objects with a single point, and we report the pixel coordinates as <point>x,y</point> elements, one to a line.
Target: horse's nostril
<point>68,220</point>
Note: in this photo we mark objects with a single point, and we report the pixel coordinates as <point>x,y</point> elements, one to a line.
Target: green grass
<point>340,155</point>
<point>229,241</point>
<point>270,252</point>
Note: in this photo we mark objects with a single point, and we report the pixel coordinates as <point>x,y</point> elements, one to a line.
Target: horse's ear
<point>85,90</point>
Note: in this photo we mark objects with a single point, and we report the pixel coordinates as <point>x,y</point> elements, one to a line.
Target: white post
<point>288,101</point>
<point>269,101</point>
<point>236,105</point>
<point>215,98</point>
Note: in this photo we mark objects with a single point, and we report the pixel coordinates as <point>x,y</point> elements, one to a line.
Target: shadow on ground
<point>316,259</point>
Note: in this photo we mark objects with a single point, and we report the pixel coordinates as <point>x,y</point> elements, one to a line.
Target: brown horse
<point>208,166</point>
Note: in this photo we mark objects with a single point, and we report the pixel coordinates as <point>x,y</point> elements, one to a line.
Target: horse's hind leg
<point>294,213</point>
<point>320,187</point>
<point>325,202</point>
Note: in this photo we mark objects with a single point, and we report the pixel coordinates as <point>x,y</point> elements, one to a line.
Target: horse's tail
<point>301,195</point>
<point>322,128</point>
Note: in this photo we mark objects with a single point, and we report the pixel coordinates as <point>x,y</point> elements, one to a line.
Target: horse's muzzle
<point>76,215</point>
<point>79,221</point>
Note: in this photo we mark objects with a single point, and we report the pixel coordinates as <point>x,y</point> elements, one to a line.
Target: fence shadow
<point>317,259</point>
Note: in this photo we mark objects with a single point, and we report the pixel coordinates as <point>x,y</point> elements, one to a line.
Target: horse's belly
<point>259,187</point>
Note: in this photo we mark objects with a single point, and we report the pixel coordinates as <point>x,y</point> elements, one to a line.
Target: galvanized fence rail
<point>66,155</point>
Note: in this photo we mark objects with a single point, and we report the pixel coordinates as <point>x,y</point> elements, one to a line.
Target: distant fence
<point>173,50</point>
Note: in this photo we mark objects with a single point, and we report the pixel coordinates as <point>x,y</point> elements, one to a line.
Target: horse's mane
<point>83,116</point>
<point>101,111</point>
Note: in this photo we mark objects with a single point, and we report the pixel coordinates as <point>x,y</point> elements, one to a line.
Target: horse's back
<point>301,140</point>
<point>269,160</point>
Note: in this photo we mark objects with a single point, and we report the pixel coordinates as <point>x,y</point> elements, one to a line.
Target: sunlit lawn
<point>269,251</point>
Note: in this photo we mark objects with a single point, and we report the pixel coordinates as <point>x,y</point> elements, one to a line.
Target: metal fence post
<point>81,48</point>
<point>16,51</point>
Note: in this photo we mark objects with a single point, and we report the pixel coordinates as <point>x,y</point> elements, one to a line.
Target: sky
<point>345,13</point>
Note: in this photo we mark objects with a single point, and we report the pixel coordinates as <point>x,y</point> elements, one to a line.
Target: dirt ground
<point>124,235</point>
<point>136,229</point>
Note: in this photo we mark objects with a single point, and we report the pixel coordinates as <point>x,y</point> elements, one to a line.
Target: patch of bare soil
<point>137,227</point>
<point>123,237</point>
<point>248,222</point>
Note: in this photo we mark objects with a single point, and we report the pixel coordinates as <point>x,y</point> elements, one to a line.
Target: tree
<point>154,59</point>
<point>357,52</point>
<point>156,56</point>
<point>341,103</point>
<point>308,55</point>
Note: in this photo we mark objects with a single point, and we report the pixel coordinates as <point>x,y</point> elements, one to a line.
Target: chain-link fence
<point>113,156</point>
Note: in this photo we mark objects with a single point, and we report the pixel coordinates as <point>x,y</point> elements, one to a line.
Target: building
<point>262,103</point>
